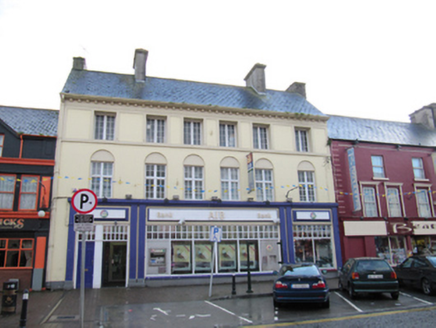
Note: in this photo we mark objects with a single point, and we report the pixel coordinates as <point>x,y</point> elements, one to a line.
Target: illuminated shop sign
<point>194,214</point>
<point>312,215</point>
<point>103,214</point>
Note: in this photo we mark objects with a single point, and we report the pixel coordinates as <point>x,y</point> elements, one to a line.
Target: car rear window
<point>300,271</point>
<point>432,260</point>
<point>372,265</point>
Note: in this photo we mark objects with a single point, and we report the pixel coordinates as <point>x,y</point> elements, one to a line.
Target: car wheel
<point>426,287</point>
<point>351,292</point>
<point>341,288</point>
<point>395,295</point>
<point>326,304</point>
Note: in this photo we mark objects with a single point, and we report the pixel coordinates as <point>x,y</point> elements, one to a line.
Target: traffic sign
<point>83,222</point>
<point>215,234</point>
<point>84,201</point>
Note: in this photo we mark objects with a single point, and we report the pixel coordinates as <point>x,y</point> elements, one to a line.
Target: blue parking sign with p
<point>215,234</point>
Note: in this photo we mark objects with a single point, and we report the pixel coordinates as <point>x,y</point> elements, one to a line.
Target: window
<point>306,181</point>
<point>369,202</point>
<point>29,188</point>
<point>313,243</point>
<point>260,137</point>
<point>7,189</point>
<point>392,249</point>
<point>193,182</point>
<point>101,179</point>
<point>227,135</point>
<point>229,183</point>
<point>264,185</point>
<point>16,253</point>
<point>2,141</point>
<point>418,168</point>
<point>302,140</point>
<point>394,204</point>
<point>192,132</point>
<point>104,127</point>
<point>154,181</point>
<point>422,196</point>
<point>156,130</point>
<point>377,166</point>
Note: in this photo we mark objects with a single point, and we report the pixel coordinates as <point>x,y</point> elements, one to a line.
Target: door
<point>89,264</point>
<point>114,264</point>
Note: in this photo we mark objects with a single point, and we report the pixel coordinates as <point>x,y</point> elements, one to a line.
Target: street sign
<point>215,234</point>
<point>83,222</point>
<point>84,201</point>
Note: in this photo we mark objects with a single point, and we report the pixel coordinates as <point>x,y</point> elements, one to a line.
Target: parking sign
<point>215,234</point>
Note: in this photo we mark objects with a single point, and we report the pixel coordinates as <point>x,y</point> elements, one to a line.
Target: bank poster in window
<point>181,257</point>
<point>227,256</point>
<point>203,256</point>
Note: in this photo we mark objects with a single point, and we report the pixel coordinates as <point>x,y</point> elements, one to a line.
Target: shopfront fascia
<point>392,238</point>
<point>178,241</point>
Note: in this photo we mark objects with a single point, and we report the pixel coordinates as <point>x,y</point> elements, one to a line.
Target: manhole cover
<point>64,318</point>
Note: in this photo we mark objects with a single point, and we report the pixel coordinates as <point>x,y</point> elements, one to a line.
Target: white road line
<point>354,306</point>
<point>161,311</point>
<point>223,309</point>
<point>416,298</point>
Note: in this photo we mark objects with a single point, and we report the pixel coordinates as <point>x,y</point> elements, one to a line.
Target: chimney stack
<point>79,63</point>
<point>297,87</point>
<point>425,116</point>
<point>139,64</point>
<point>256,78</point>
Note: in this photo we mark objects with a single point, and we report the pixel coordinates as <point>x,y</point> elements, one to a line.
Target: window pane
<point>418,168</point>
<point>301,140</point>
<point>377,166</point>
<point>423,203</point>
<point>370,202</point>
<point>394,202</point>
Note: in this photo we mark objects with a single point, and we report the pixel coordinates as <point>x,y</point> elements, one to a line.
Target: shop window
<point>194,182</point>
<point>28,192</point>
<point>370,202</point>
<point>418,168</point>
<point>101,178</point>
<point>203,256</point>
<point>229,183</point>
<point>181,257</point>
<point>377,166</point>
<point>155,181</point>
<point>16,253</point>
<point>104,127</point>
<point>260,137</point>
<point>155,130</point>
<point>227,257</point>
<point>302,140</point>
<point>392,249</point>
<point>264,184</point>
<point>227,135</point>
<point>306,183</point>
<point>423,200</point>
<point>192,132</point>
<point>394,203</point>
<point>7,188</point>
<point>312,243</point>
<point>254,255</point>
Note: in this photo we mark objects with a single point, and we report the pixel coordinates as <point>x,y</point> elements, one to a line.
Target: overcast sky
<point>372,59</point>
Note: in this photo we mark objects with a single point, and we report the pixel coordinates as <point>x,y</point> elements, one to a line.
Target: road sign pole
<point>82,282</point>
<point>212,268</point>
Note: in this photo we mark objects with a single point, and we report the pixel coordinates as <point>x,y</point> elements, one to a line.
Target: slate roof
<point>92,83</point>
<point>350,128</point>
<point>30,120</point>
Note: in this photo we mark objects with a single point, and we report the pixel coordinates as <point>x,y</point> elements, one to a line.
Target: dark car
<point>368,275</point>
<point>418,271</point>
<point>300,283</point>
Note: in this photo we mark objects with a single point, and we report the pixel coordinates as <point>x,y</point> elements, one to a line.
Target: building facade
<point>384,181</point>
<point>27,150</point>
<point>169,159</point>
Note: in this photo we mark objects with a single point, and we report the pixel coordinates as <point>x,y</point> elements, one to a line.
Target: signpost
<point>83,201</point>
<point>215,237</point>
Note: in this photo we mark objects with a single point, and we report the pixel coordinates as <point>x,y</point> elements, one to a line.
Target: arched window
<point>306,182</point>
<point>229,178</point>
<point>102,165</point>
<point>155,175</point>
<point>194,177</point>
<point>264,180</point>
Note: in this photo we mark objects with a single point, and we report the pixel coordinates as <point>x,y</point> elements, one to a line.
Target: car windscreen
<point>368,265</point>
<point>432,260</point>
<point>300,271</point>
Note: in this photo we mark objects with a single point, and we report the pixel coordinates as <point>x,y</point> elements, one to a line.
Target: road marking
<point>54,309</point>
<point>223,309</point>
<point>416,298</point>
<point>161,311</point>
<point>354,306</point>
<point>354,317</point>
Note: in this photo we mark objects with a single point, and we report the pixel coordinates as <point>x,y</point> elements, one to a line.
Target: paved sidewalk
<point>60,309</point>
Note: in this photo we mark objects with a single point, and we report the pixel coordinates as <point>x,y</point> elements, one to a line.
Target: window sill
<point>380,179</point>
<point>421,180</point>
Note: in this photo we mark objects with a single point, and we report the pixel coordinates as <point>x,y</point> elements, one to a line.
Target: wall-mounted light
<point>41,213</point>
<point>176,197</point>
<point>104,200</point>
<point>129,196</point>
<point>215,198</point>
<point>267,202</point>
<point>289,199</point>
<point>182,221</point>
<point>250,199</point>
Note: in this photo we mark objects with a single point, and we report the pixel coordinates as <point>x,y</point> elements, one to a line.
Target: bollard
<point>233,285</point>
<point>249,290</point>
<point>23,318</point>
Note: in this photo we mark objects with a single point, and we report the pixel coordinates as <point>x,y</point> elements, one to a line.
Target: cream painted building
<point>169,159</point>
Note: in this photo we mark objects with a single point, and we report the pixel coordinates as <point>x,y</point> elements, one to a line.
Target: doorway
<point>114,264</point>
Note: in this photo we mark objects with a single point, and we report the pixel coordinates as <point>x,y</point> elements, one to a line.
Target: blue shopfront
<point>163,242</point>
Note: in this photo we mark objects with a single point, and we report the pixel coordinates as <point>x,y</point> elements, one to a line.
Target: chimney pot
<point>139,64</point>
<point>79,63</point>
<point>297,87</point>
<point>256,78</point>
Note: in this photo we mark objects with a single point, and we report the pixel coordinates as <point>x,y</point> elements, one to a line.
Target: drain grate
<point>64,318</point>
